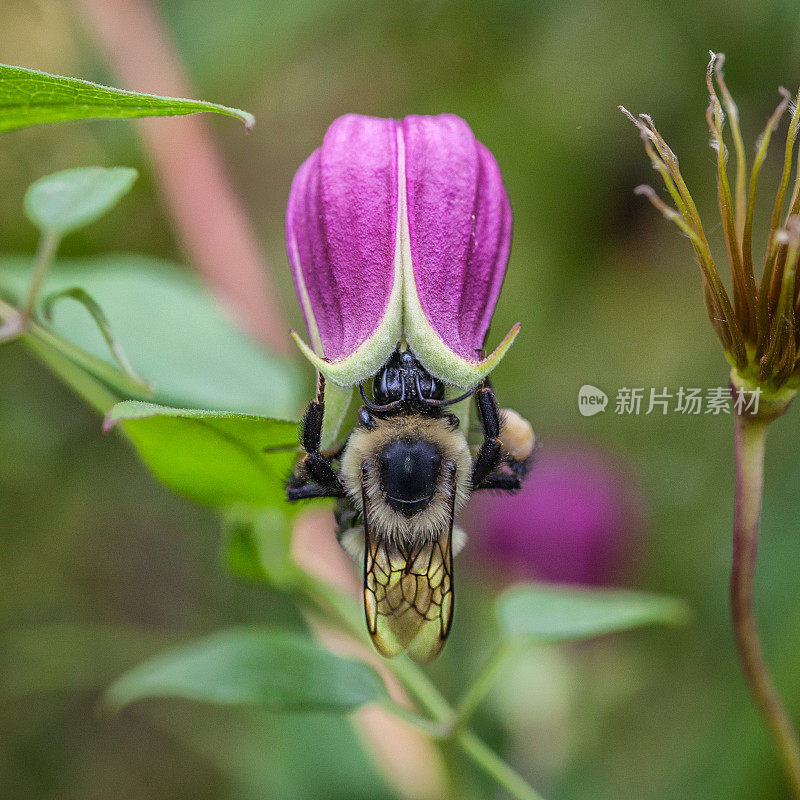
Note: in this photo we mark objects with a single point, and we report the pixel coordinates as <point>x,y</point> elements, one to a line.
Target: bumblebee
<point>399,479</point>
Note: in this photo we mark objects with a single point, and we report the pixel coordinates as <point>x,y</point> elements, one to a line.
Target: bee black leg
<point>316,478</point>
<point>489,455</point>
<point>506,481</point>
<point>300,489</point>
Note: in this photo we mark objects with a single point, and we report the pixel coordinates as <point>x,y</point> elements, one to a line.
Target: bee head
<point>403,377</point>
<point>409,471</point>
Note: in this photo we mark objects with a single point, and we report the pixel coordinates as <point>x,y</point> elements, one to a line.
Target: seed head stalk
<point>757,325</point>
<point>749,443</point>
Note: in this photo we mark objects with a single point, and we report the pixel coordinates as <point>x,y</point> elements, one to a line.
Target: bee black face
<point>409,471</point>
<point>404,377</point>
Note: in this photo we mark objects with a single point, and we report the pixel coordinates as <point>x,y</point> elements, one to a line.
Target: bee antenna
<point>440,403</point>
<point>377,408</point>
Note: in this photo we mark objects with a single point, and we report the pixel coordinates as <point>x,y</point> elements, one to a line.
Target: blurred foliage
<point>72,199</point>
<point>172,332</point>
<point>607,295</point>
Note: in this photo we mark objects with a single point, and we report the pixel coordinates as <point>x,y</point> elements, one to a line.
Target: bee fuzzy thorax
<point>360,464</point>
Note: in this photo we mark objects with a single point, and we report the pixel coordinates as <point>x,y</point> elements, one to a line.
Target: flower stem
<point>493,765</point>
<point>344,612</point>
<point>749,442</point>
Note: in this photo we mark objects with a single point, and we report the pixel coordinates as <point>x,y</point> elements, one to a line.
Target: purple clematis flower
<point>399,231</point>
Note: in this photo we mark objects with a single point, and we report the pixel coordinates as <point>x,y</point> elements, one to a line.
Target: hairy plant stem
<point>749,442</point>
<point>442,726</point>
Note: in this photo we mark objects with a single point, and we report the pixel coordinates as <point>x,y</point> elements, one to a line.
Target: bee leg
<point>489,456</point>
<point>317,478</point>
<point>505,481</point>
<point>300,489</point>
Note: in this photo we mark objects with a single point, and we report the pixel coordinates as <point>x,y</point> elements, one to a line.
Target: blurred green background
<point>607,293</point>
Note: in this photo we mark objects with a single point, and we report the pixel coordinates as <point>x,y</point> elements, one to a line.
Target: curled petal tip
<point>452,368</point>
<point>363,363</point>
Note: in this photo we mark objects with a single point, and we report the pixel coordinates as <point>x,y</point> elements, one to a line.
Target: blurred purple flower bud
<point>579,518</point>
<point>399,230</point>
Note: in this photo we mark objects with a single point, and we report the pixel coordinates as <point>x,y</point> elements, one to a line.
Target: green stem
<point>438,731</point>
<point>84,384</point>
<point>45,252</point>
<point>749,443</point>
<point>338,606</point>
<point>55,353</point>
<point>481,686</point>
<point>493,765</point>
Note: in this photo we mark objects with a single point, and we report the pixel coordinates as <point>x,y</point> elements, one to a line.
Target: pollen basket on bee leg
<point>516,434</point>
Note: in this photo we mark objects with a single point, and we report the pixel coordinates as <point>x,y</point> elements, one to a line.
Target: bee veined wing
<point>408,590</point>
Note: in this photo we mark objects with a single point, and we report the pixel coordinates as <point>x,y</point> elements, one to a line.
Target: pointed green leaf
<point>69,200</point>
<point>213,457</point>
<point>30,97</point>
<point>560,614</point>
<point>278,670</point>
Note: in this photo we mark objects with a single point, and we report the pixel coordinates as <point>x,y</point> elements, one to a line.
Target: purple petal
<point>340,232</point>
<point>459,223</point>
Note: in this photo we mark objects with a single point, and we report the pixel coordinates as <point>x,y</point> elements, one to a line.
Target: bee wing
<point>408,590</point>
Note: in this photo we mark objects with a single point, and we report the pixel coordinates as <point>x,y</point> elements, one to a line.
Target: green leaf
<point>69,200</point>
<point>173,332</point>
<point>560,614</point>
<point>278,670</point>
<point>213,457</point>
<point>30,97</point>
<point>91,305</point>
<point>90,377</point>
